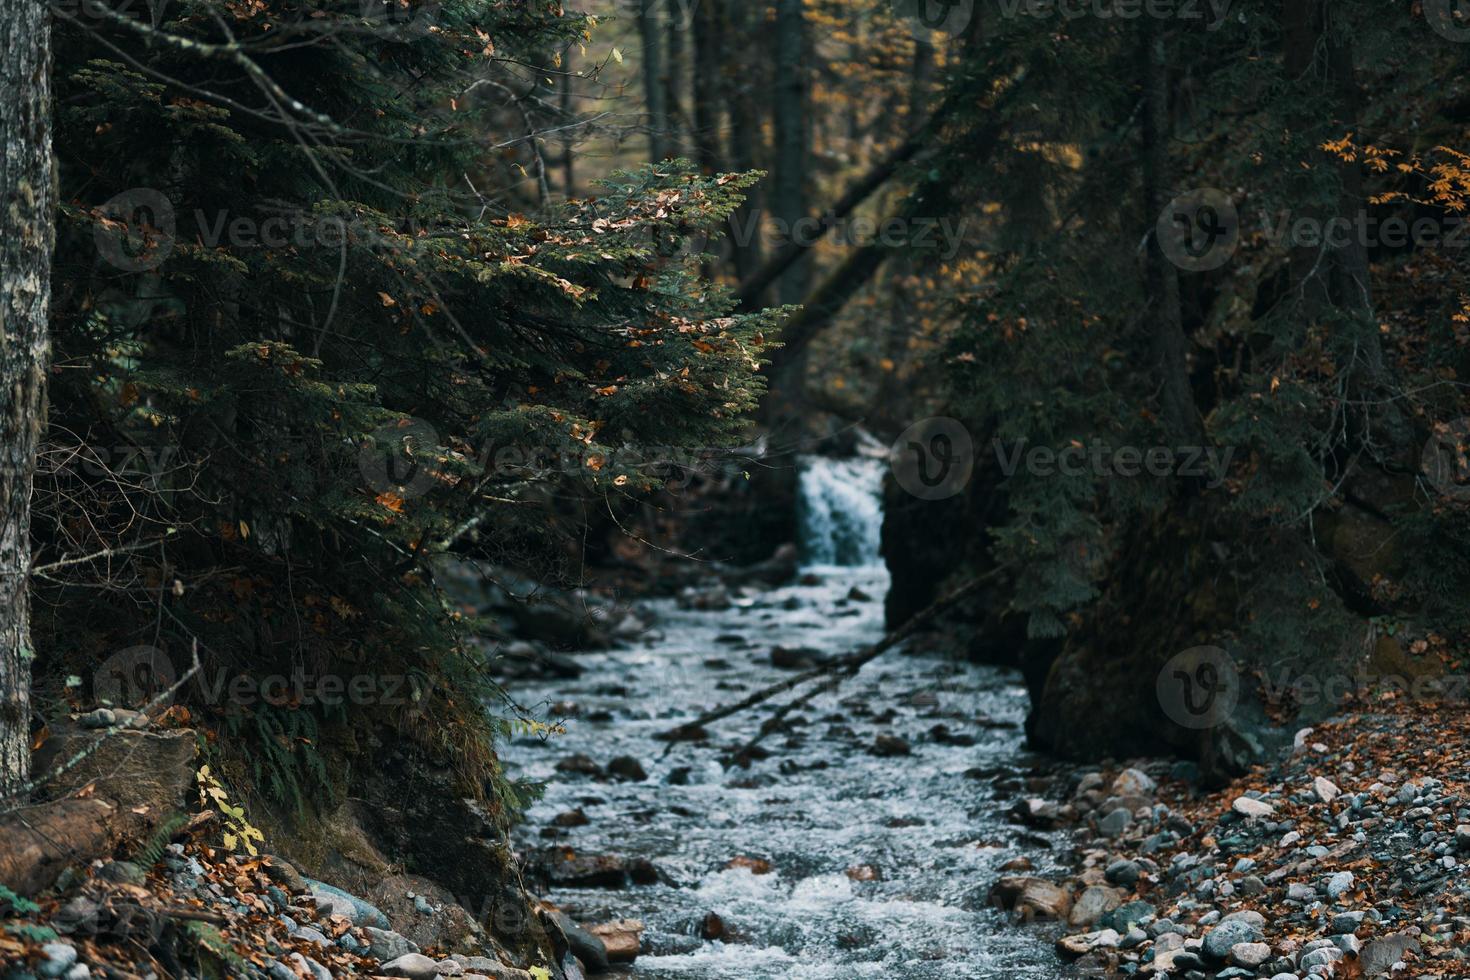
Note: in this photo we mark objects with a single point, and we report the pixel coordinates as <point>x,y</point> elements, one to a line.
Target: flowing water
<point>879,864</point>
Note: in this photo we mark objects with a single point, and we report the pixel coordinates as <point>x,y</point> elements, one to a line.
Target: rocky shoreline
<point>1342,859</point>
<point>198,911</point>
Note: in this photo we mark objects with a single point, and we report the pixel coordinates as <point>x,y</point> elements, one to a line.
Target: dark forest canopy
<point>341,292</point>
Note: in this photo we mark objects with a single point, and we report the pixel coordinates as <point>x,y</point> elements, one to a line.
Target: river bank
<point>1344,859</point>
<point>894,825</point>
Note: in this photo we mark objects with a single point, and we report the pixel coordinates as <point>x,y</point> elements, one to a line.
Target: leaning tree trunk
<point>25,293</point>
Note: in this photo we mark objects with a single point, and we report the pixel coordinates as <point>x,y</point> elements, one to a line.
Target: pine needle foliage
<point>344,326</point>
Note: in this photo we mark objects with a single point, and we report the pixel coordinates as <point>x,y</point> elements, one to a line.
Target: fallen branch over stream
<point>835,671</point>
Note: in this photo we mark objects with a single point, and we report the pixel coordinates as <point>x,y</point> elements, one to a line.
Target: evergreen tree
<point>317,322</point>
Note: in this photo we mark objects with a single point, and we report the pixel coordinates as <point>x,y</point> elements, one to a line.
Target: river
<point>879,864</point>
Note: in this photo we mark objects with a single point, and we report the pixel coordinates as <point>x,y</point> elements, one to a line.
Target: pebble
<point>100,718</point>
<point>311,935</point>
<point>413,966</point>
<point>60,957</point>
<point>1320,957</point>
<point>1229,934</point>
<point>1075,946</point>
<point>1252,808</point>
<point>385,945</point>
<point>311,967</point>
<point>1115,823</point>
<point>1123,873</point>
<point>1249,955</point>
<point>1133,782</point>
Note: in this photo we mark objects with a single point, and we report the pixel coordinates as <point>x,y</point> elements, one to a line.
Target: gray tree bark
<point>25,295</point>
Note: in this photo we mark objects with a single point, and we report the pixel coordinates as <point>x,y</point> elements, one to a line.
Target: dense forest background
<point>341,289</point>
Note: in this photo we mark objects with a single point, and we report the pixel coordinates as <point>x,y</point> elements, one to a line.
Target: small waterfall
<point>840,510</point>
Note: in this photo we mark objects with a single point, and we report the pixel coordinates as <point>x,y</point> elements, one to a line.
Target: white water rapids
<point>931,823</point>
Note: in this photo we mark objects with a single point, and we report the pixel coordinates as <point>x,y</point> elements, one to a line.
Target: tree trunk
<point>708,88</point>
<point>920,84</point>
<point>788,197</point>
<point>745,147</point>
<point>1322,276</point>
<point>675,74</point>
<point>1302,30</point>
<point>1170,346</point>
<point>568,140</point>
<point>25,294</point>
<point>654,93</point>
